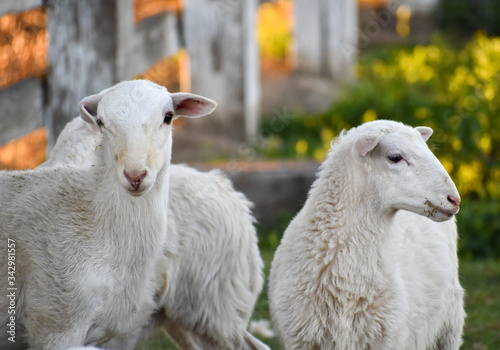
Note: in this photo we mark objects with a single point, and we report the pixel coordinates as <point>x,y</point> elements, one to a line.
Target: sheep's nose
<point>454,200</point>
<point>135,177</point>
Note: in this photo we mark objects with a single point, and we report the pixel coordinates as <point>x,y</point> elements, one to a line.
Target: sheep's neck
<point>349,234</point>
<point>131,224</point>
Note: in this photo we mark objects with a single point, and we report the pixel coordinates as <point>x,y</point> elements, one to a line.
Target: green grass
<point>481,280</point>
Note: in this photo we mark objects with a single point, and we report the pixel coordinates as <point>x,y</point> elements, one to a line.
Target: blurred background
<point>288,76</point>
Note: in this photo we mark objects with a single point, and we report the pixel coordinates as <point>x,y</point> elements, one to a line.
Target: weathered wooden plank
<point>220,42</point>
<point>307,33</point>
<point>342,37</point>
<point>326,37</point>
<point>149,41</point>
<point>21,109</point>
<point>9,6</point>
<point>95,44</point>
<point>251,70</point>
<point>81,56</point>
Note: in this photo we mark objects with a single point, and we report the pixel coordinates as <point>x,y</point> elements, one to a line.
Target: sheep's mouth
<point>136,192</point>
<point>447,213</point>
<point>434,209</point>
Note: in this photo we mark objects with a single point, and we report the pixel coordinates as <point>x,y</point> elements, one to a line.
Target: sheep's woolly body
<point>348,276</point>
<point>76,146</point>
<point>88,239</point>
<point>212,271</point>
<point>61,247</point>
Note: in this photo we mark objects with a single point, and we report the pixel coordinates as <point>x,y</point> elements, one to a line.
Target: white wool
<point>212,271</point>
<point>85,248</point>
<point>262,328</point>
<point>370,261</point>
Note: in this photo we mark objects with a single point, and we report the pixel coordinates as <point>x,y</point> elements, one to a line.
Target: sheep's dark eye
<point>168,118</point>
<point>99,123</point>
<point>395,158</point>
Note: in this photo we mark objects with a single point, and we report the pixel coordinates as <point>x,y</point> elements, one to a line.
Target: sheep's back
<point>41,200</point>
<point>216,274</point>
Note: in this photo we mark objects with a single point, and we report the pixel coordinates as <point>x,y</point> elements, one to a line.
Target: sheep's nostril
<point>135,177</point>
<point>454,200</point>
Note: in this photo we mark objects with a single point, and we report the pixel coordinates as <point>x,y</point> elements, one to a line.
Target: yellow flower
<point>301,147</point>
<point>485,143</point>
<point>426,73</point>
<point>369,115</point>
<point>319,154</point>
<point>489,92</point>
<point>447,164</point>
<point>456,144</point>
<point>469,176</point>
<point>326,135</point>
<point>422,113</point>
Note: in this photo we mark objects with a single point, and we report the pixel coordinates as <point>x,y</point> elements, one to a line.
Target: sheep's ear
<point>88,109</point>
<point>191,105</point>
<point>425,131</point>
<point>366,143</point>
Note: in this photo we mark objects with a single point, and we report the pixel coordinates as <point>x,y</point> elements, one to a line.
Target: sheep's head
<point>403,171</point>
<point>135,119</point>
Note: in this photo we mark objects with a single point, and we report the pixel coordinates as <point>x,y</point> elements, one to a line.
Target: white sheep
<point>86,241</point>
<point>370,261</point>
<point>214,273</point>
<point>213,269</point>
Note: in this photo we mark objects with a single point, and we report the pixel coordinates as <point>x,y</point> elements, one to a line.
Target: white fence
<point>96,43</point>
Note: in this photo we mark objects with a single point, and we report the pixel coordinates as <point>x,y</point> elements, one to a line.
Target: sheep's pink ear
<point>367,142</point>
<point>191,105</point>
<point>425,131</point>
<point>88,109</point>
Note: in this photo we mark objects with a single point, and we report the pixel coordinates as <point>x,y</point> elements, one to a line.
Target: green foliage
<point>479,227</point>
<point>454,91</point>
<point>465,17</point>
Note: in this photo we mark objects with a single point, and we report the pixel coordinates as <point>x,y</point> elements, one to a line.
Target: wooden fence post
<point>221,43</point>
<point>81,56</point>
<point>21,103</point>
<point>326,37</point>
<point>8,6</point>
<point>95,44</point>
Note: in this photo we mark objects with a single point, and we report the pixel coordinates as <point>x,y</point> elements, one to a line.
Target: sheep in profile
<point>370,260</point>
<point>212,271</point>
<point>85,243</point>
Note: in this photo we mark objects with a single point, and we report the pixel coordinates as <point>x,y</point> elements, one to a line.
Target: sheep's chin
<point>439,214</point>
<point>137,193</point>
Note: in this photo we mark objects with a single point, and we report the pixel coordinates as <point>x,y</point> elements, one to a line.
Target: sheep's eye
<point>168,118</point>
<point>395,158</point>
<point>99,123</point>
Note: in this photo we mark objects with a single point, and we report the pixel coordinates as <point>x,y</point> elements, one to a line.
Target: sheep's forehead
<point>404,139</point>
<point>135,104</point>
